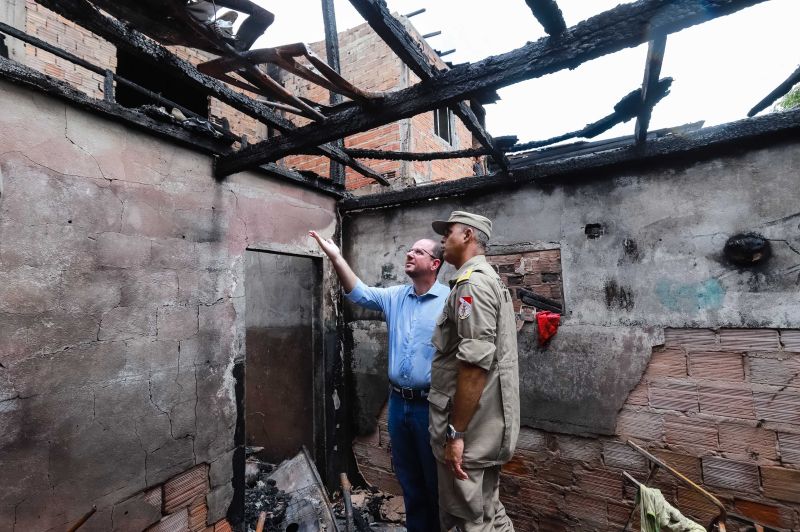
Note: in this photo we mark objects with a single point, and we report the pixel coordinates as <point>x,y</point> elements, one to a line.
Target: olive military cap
<point>467,218</point>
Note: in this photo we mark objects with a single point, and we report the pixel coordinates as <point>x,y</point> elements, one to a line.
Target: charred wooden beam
<point>549,15</point>
<point>337,171</point>
<point>630,106</point>
<point>652,70</point>
<point>400,41</point>
<point>414,156</point>
<point>693,146</point>
<point>624,26</point>
<point>27,77</point>
<point>779,91</point>
<point>126,38</point>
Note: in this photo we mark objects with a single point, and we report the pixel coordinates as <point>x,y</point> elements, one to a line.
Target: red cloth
<point>548,325</point>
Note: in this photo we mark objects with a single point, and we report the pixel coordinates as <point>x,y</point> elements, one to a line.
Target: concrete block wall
<point>121,310</point>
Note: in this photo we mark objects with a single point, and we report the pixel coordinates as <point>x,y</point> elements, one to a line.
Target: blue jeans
<point>414,464</point>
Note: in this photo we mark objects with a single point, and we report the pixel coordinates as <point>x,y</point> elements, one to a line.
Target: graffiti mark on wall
<point>690,297</point>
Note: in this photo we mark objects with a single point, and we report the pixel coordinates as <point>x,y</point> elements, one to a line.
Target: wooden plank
<point>776,93</point>
<point>130,40</point>
<point>622,27</point>
<point>413,156</point>
<point>332,54</point>
<point>652,70</point>
<point>549,15</point>
<point>708,142</point>
<point>407,49</point>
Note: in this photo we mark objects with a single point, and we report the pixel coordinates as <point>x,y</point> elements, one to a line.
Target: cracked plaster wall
<point>658,263</point>
<point>121,309</point>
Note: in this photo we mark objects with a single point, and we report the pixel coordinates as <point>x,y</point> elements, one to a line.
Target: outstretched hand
<point>326,244</point>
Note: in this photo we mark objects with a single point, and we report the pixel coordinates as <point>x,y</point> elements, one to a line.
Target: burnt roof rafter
<point>776,93</point>
<point>123,36</point>
<point>622,27</point>
<point>395,35</point>
<point>549,15</point>
<point>652,69</point>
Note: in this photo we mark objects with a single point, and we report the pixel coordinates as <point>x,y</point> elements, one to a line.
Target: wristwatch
<point>453,434</point>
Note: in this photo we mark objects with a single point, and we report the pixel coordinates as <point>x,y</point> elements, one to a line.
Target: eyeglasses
<point>420,252</point>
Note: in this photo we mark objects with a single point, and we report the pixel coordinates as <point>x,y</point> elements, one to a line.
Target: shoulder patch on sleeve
<point>464,307</point>
<point>464,276</point>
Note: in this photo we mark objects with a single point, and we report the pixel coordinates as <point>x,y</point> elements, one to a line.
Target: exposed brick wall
<point>67,35</point>
<point>722,407</point>
<point>536,271</point>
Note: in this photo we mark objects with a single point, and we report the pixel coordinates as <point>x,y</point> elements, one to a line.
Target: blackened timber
<point>549,15</point>
<point>624,26</point>
<point>631,105</point>
<point>304,179</point>
<point>414,156</point>
<point>24,76</point>
<point>652,70</point>
<point>32,79</point>
<point>130,40</point>
<point>706,143</point>
<point>395,35</point>
<point>776,93</point>
<point>332,54</point>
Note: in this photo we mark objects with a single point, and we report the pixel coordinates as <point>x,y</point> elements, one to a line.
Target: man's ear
<point>469,234</point>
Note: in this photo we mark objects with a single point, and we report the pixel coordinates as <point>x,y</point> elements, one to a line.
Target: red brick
<point>790,339</point>
<point>556,471</point>
<point>642,425</point>
<point>667,362</point>
<point>691,433</point>
<point>590,512</point>
<point>781,483</point>
<point>722,473</point>
<point>749,339</point>
<point>639,395</point>
<point>778,369</point>
<point>717,365</point>
<point>728,401</point>
<point>622,456</point>
<point>789,445</point>
<point>746,440</point>
<point>690,338</point>
<point>600,483</point>
<point>688,466</point>
<point>694,505</point>
<point>766,514</point>
<point>581,449</point>
<point>673,395</point>
<point>781,406</point>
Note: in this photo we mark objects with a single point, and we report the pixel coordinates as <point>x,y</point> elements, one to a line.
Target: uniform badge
<point>464,307</point>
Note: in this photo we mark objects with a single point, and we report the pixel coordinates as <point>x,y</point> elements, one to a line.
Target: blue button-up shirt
<point>410,319</point>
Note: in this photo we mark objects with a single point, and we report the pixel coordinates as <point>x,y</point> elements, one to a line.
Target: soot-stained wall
<point>122,309</point>
<point>640,251</point>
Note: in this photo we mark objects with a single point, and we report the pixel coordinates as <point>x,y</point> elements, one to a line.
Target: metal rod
<point>447,52</point>
<point>415,13</point>
<point>348,503</point>
<point>82,520</point>
<point>432,34</point>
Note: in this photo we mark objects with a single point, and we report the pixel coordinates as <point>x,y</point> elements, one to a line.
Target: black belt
<point>409,394</point>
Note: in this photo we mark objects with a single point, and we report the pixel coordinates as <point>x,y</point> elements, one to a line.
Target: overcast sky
<point>720,69</point>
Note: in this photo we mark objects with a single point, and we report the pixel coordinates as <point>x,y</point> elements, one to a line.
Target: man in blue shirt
<point>411,311</point>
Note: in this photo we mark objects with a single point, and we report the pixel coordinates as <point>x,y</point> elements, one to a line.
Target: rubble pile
<point>262,495</point>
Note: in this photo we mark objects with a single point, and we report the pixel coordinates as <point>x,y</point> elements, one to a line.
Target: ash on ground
<point>373,511</point>
<point>261,495</point>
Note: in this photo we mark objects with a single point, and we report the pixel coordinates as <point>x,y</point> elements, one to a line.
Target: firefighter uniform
<point>477,327</point>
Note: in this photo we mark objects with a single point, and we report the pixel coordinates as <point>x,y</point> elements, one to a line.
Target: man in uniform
<point>474,395</point>
<point>410,311</point>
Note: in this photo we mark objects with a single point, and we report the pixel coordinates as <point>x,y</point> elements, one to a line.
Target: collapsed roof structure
<point>666,338</point>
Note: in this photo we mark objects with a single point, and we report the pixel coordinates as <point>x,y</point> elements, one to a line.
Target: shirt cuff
<point>476,352</point>
<point>357,293</point>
